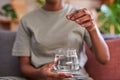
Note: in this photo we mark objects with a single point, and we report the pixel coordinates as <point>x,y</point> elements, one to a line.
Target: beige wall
<point>85,3</point>
<point>2,2</point>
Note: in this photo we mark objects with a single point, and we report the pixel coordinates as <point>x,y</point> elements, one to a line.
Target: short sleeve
<point>87,39</point>
<point>22,42</point>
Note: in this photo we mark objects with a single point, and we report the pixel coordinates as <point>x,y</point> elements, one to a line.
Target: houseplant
<point>109,17</point>
<point>41,2</point>
<point>8,11</point>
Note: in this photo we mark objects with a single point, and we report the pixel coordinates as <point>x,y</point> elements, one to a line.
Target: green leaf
<point>110,16</point>
<point>41,2</point>
<point>9,11</point>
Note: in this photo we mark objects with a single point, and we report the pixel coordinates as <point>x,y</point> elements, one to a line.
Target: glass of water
<point>66,60</point>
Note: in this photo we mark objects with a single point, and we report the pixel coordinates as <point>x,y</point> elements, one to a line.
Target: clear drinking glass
<point>66,60</point>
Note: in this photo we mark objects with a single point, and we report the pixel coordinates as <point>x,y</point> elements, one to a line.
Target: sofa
<point>110,71</point>
<point>9,65</point>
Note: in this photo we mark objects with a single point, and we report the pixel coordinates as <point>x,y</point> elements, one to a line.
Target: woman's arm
<point>99,47</point>
<point>28,70</point>
<point>44,72</point>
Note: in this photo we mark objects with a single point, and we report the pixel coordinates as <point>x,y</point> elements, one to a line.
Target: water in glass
<point>66,60</point>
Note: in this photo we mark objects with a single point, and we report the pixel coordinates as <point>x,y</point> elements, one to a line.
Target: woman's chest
<point>52,38</point>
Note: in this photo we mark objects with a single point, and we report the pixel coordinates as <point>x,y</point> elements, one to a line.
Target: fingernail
<point>72,76</point>
<point>68,17</point>
<point>77,20</point>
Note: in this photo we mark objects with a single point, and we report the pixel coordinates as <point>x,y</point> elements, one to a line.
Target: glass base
<point>76,78</point>
<point>69,72</point>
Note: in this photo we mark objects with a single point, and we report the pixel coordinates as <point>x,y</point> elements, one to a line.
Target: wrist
<point>92,29</point>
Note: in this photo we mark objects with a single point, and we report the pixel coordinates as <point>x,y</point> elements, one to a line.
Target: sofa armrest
<point>110,71</point>
<point>9,65</point>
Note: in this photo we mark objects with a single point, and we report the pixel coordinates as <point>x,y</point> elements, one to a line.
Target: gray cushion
<point>8,64</point>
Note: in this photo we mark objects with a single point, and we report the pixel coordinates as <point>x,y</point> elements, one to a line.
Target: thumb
<point>50,66</point>
<point>68,16</point>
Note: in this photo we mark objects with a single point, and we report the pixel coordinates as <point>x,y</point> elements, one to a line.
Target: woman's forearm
<point>99,46</point>
<point>28,70</point>
<point>44,72</point>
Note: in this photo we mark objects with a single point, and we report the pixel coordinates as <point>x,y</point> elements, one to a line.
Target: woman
<point>54,26</point>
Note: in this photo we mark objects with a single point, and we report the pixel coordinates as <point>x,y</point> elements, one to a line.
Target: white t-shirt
<point>41,32</point>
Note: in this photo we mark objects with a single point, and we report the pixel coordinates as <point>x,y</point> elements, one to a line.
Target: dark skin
<point>82,17</point>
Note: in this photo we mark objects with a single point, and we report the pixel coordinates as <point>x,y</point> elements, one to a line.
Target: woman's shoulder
<point>31,14</point>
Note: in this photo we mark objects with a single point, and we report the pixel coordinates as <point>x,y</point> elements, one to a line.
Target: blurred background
<point>105,12</point>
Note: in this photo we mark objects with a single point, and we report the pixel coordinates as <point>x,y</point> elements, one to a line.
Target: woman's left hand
<point>82,17</point>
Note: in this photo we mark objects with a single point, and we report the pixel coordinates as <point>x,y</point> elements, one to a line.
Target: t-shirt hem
<point>20,53</point>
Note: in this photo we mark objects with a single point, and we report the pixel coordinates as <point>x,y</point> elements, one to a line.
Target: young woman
<point>54,26</point>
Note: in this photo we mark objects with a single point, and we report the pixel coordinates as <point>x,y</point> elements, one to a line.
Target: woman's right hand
<point>47,74</point>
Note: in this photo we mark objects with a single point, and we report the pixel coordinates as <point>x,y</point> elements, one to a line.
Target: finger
<point>68,75</point>
<point>50,66</point>
<point>87,24</point>
<point>60,75</point>
<point>84,19</point>
<point>64,75</point>
<point>86,11</point>
<point>78,15</point>
<point>69,16</point>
